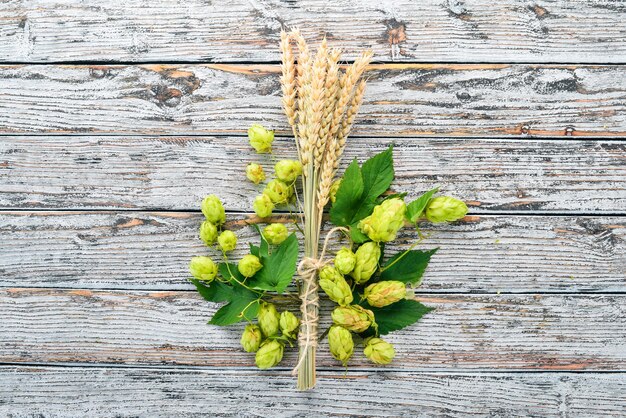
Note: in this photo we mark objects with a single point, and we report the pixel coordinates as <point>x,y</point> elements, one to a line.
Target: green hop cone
<point>208,232</point>
<point>275,233</point>
<point>445,209</point>
<point>288,170</point>
<point>354,318</point>
<point>335,286</point>
<point>249,265</point>
<point>289,324</point>
<point>254,173</point>
<point>203,268</point>
<point>379,351</point>
<point>227,241</point>
<point>263,205</point>
<point>251,338</point>
<point>340,343</point>
<point>269,319</point>
<point>278,191</point>
<point>385,221</point>
<point>213,210</point>
<point>269,355</point>
<point>333,190</point>
<point>345,260</point>
<point>385,293</point>
<point>367,256</point>
<point>261,139</point>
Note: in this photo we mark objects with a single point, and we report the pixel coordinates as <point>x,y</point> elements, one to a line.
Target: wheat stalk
<point>320,103</point>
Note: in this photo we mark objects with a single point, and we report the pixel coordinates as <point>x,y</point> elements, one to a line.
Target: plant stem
<point>306,372</point>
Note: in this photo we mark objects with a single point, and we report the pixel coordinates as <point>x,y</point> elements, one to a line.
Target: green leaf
<point>241,309</point>
<point>398,315</point>
<point>348,196</point>
<point>264,249</point>
<point>356,235</point>
<point>415,208</point>
<point>278,268</point>
<point>377,177</point>
<point>254,250</point>
<point>242,303</point>
<point>230,272</point>
<point>407,268</point>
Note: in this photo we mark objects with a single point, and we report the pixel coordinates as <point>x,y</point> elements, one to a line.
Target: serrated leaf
<point>377,175</point>
<point>242,303</point>
<point>278,268</point>
<point>240,309</point>
<point>230,272</point>
<point>399,315</point>
<point>254,250</point>
<point>407,268</point>
<point>264,248</point>
<point>348,195</point>
<point>357,236</point>
<point>415,208</point>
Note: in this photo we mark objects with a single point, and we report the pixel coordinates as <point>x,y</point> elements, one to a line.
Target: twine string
<point>307,270</point>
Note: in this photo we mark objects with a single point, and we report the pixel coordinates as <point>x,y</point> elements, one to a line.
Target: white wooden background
<point>117,117</point>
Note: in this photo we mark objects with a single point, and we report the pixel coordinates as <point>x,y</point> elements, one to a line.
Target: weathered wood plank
<point>141,250</point>
<point>59,392</point>
<point>166,173</point>
<point>231,30</point>
<point>523,332</point>
<point>402,99</point>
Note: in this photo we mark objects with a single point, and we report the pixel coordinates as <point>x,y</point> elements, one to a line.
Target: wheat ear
<point>303,70</point>
<point>288,81</point>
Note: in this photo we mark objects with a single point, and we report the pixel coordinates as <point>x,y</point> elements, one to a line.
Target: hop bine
<point>385,293</point>
<point>263,205</point>
<point>249,265</point>
<point>367,256</point>
<point>289,324</point>
<point>227,241</point>
<point>269,354</point>
<point>379,351</point>
<point>275,233</point>
<point>278,192</point>
<point>345,260</point>
<point>255,173</point>
<point>251,338</point>
<point>445,209</point>
<point>203,268</point>
<point>354,318</point>
<point>261,139</point>
<point>335,286</point>
<point>269,319</point>
<point>288,170</point>
<point>340,343</point>
<point>385,221</point>
<point>208,232</point>
<point>213,210</point>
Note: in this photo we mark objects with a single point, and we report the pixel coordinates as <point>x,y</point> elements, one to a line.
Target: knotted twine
<point>307,270</point>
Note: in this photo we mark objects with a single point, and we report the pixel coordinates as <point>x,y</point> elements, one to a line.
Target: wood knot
<point>99,71</point>
<point>168,96</point>
<point>396,31</point>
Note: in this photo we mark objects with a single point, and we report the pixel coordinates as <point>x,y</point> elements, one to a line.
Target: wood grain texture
<point>182,393</point>
<point>401,99</point>
<point>507,332</point>
<point>173,173</point>
<point>235,30</point>
<point>142,250</point>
